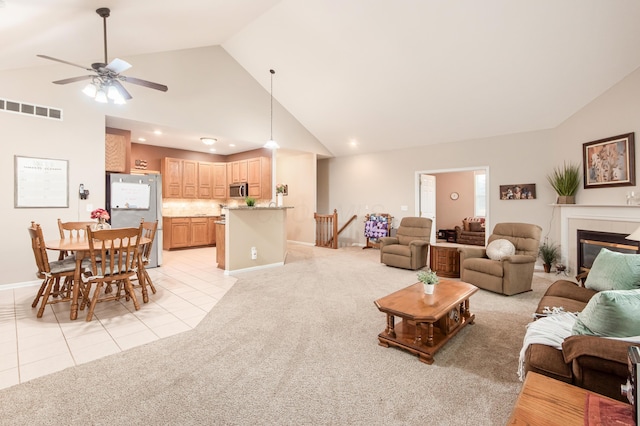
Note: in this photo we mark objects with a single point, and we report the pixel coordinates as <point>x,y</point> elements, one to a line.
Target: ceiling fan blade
<point>64,62</point>
<point>73,79</point>
<point>121,89</point>
<point>118,66</point>
<point>144,83</point>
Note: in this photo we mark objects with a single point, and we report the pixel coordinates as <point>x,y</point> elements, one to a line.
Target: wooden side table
<point>445,260</point>
<point>546,401</point>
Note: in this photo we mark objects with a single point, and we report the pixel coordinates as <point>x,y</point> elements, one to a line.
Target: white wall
<point>298,170</point>
<point>385,181</point>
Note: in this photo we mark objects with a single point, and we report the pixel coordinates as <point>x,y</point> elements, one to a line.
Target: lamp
<point>271,144</point>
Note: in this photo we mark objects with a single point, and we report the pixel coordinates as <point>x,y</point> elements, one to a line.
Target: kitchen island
<point>254,238</point>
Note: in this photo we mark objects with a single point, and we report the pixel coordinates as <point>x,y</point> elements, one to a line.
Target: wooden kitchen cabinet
<point>199,231</point>
<point>189,179</point>
<point>237,171</point>
<point>259,177</point>
<point>177,232</point>
<point>212,230</point>
<point>220,245</point>
<point>171,169</point>
<point>182,232</point>
<point>220,181</point>
<point>117,151</point>
<point>205,180</point>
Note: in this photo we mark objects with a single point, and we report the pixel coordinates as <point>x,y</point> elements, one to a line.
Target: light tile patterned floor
<point>188,285</point>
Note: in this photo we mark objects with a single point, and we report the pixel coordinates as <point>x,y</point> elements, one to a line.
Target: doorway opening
<point>447,196</point>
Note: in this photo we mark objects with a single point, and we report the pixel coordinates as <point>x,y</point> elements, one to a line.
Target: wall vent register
<point>30,109</point>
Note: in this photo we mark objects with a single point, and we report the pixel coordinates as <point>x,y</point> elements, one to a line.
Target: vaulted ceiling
<point>368,75</point>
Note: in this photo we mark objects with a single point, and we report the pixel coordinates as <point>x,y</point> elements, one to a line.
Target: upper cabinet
<point>117,150</point>
<point>189,179</point>
<point>220,181</point>
<point>259,177</point>
<point>204,180</point>
<point>171,178</point>
<point>237,172</point>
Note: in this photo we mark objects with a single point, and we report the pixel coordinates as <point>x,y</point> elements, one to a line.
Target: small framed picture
<point>609,162</point>
<point>522,191</point>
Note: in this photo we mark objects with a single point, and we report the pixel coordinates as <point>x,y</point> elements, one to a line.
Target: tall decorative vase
<point>428,288</point>
<point>279,199</point>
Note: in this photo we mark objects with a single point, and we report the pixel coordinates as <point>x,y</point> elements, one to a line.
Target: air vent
<point>30,109</point>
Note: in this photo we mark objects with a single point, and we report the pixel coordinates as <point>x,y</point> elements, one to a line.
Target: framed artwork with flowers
<point>609,162</point>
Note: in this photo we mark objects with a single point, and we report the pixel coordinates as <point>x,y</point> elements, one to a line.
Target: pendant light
<point>271,144</point>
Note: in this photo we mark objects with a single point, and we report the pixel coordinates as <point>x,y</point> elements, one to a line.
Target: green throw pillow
<point>614,271</point>
<point>611,314</point>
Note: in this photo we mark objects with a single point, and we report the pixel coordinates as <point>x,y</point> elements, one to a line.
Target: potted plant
<point>250,201</point>
<point>549,252</point>
<point>565,180</point>
<point>429,279</point>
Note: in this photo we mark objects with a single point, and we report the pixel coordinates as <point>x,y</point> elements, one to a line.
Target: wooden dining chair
<point>75,230</point>
<point>149,231</point>
<point>50,272</point>
<point>114,260</point>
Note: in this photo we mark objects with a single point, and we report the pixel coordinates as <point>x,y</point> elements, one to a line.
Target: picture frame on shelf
<point>609,162</point>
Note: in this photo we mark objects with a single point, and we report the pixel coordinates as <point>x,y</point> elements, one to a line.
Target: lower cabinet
<point>181,232</point>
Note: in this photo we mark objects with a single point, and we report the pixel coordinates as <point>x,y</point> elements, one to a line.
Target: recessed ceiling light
<point>208,141</point>
<point>142,140</point>
<point>212,149</point>
<point>157,132</point>
<point>353,143</point>
<point>232,145</point>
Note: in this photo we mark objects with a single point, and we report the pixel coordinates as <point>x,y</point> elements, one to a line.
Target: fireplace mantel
<point>612,218</point>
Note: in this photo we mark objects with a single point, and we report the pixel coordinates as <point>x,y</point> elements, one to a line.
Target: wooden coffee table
<point>428,321</point>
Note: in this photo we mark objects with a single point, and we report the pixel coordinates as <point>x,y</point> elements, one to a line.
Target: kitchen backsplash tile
<point>186,207</point>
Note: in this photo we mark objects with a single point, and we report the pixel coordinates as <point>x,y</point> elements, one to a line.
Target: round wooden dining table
<point>80,246</point>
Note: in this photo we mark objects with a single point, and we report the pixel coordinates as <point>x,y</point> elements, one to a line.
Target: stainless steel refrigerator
<point>132,197</point>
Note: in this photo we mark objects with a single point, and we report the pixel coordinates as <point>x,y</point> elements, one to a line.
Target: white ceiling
<point>385,75</point>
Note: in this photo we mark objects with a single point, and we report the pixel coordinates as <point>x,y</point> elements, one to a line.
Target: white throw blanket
<point>550,331</point>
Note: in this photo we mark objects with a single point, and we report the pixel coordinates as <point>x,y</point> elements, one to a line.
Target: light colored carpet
<point>296,345</point>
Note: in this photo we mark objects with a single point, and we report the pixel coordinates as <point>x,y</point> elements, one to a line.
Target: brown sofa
<point>471,232</point>
<point>594,363</point>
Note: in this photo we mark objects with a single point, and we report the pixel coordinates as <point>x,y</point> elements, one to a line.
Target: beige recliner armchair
<point>409,248</point>
<point>513,273</point>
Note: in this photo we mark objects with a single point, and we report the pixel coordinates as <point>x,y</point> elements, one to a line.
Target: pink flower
<point>100,214</point>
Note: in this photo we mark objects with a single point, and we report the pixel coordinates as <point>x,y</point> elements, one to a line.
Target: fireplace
<point>591,242</point>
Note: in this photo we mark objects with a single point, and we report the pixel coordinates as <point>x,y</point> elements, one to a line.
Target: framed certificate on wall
<point>40,182</point>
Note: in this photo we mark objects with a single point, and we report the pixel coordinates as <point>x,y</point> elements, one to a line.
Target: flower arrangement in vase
<point>102,215</point>
<point>429,279</point>
<point>281,190</point>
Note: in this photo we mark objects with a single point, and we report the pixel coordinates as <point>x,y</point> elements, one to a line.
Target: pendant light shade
<point>271,144</point>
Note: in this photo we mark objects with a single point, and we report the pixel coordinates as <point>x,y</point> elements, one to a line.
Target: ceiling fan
<point>105,83</point>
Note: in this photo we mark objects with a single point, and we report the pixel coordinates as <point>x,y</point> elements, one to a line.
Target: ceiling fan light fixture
<point>115,95</point>
<point>101,97</point>
<point>90,90</point>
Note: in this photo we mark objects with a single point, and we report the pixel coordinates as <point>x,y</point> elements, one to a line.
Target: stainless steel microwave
<point>238,190</point>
